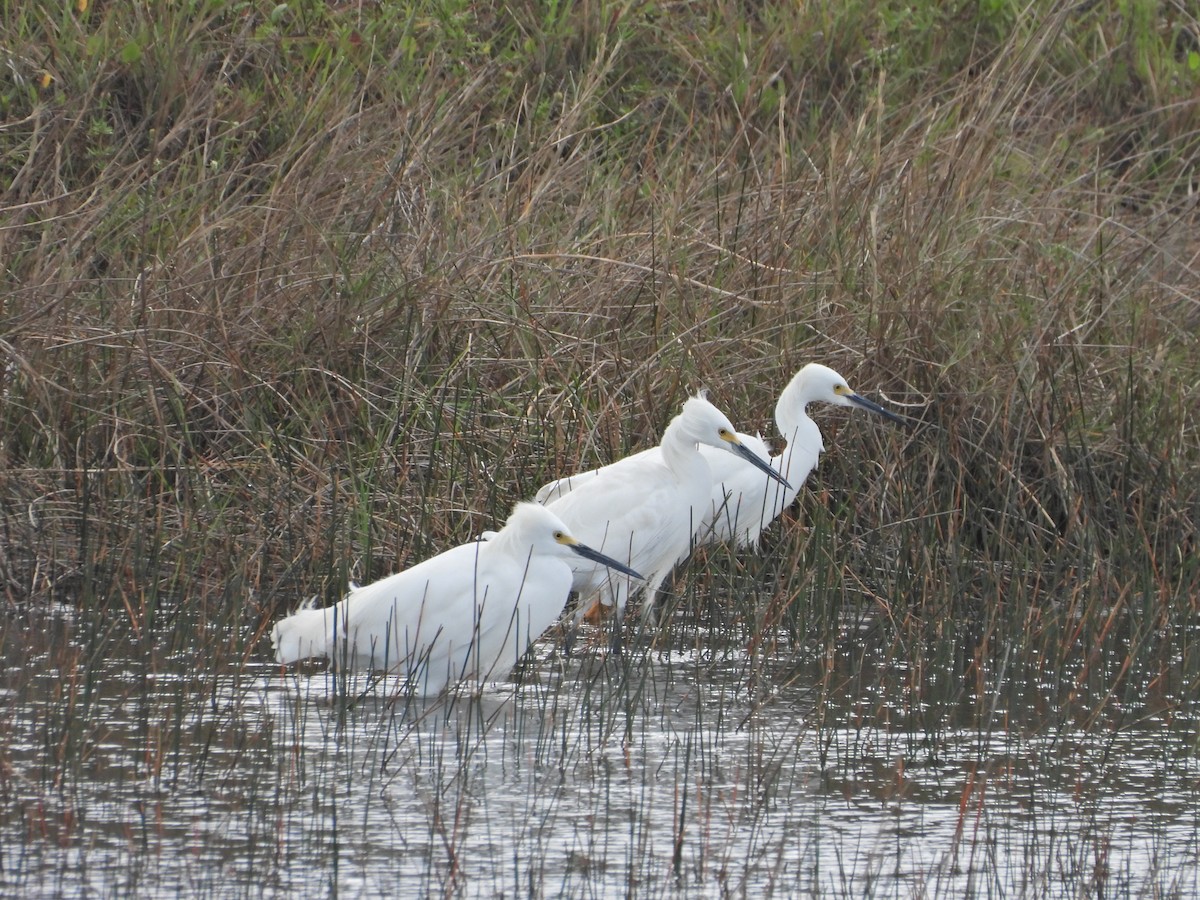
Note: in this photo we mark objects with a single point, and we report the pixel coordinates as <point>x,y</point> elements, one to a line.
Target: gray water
<point>661,774</point>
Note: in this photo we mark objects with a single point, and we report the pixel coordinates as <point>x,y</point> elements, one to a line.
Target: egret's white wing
<point>630,512</point>
<point>559,488</point>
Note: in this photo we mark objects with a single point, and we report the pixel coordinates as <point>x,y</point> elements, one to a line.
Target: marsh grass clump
<point>318,291</point>
<point>303,293</point>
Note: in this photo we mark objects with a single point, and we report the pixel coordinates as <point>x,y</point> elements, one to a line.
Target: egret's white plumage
<point>646,509</point>
<point>743,502</point>
<point>468,614</point>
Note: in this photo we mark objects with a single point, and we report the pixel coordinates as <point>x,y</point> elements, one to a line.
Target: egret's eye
<point>841,389</point>
<point>558,535</point>
<point>724,432</point>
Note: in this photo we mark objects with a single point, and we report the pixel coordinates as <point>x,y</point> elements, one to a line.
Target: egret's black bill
<point>876,408</point>
<point>751,457</point>
<point>598,557</point>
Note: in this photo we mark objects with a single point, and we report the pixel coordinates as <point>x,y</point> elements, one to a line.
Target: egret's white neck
<point>803,437</point>
<point>791,413</point>
<point>680,453</point>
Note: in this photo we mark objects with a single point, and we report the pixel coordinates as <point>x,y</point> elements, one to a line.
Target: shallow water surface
<point>659,774</point>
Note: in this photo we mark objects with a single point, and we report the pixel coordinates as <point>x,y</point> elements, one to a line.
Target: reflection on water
<point>644,776</point>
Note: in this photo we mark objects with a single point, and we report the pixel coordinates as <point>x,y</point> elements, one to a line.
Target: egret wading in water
<point>743,502</point>
<point>468,614</point>
<point>647,509</point>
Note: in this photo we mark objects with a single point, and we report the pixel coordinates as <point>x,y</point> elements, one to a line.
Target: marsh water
<point>675,771</point>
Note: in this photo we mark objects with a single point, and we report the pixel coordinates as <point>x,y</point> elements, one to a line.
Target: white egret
<point>646,509</point>
<point>468,614</point>
<point>743,502</point>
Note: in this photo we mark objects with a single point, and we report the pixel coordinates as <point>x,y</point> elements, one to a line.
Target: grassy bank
<point>299,293</point>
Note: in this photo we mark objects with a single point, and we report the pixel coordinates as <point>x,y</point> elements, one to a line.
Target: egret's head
<point>534,526</point>
<point>821,383</point>
<point>705,424</point>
